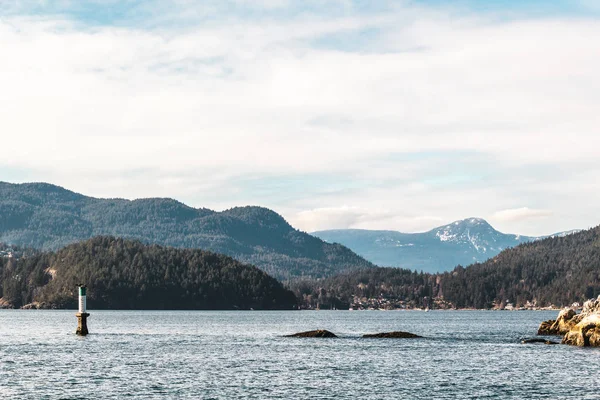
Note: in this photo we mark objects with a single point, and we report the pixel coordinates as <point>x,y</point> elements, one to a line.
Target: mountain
<point>125,274</point>
<point>48,217</point>
<point>555,271</point>
<point>441,249</point>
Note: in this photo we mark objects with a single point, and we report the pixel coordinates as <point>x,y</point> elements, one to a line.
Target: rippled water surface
<point>227,355</point>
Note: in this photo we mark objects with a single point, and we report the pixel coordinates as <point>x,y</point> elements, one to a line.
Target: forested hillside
<point>48,217</point>
<point>373,288</point>
<point>555,271</point>
<point>126,274</point>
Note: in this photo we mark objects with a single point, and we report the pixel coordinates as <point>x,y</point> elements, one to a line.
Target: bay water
<point>243,354</point>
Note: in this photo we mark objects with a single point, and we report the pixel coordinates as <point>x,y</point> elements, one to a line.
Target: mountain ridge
<point>49,217</point>
<point>460,242</point>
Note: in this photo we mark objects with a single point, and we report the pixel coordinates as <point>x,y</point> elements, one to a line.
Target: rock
<point>585,333</point>
<point>320,333</point>
<point>591,306</point>
<point>34,306</point>
<point>581,330</point>
<point>392,335</point>
<point>5,303</point>
<point>546,328</point>
<point>566,320</point>
<point>545,341</point>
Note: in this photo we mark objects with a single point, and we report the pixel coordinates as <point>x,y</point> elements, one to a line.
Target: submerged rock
<point>320,333</point>
<point>392,335</point>
<point>535,340</point>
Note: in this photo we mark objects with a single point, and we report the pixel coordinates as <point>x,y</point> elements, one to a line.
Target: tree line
<point>127,274</point>
<point>554,271</point>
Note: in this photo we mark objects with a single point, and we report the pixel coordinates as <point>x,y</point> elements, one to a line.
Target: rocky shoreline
<point>581,329</point>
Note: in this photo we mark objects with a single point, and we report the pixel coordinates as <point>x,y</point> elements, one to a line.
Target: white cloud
<point>336,217</point>
<point>196,107</point>
<point>346,217</point>
<point>519,214</point>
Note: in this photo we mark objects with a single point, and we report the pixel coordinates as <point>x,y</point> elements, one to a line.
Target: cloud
<point>335,218</point>
<point>346,217</point>
<point>430,113</point>
<point>520,214</point>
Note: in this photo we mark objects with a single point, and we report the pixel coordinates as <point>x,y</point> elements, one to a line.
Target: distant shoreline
<point>272,310</point>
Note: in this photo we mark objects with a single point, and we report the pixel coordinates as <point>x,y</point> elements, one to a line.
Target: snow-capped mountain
<point>478,235</point>
<point>441,249</point>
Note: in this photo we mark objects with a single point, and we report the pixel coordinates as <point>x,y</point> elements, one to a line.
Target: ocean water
<point>231,355</point>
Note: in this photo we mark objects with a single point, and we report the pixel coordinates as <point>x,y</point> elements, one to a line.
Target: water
<point>229,355</point>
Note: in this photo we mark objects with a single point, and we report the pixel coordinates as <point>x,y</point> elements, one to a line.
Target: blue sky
<point>338,114</point>
<point>130,13</point>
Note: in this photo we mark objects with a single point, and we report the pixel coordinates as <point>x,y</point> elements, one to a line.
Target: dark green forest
<point>126,274</point>
<point>410,287</point>
<point>554,271</point>
<point>48,217</point>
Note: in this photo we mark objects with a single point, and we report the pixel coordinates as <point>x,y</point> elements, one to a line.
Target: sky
<point>398,115</point>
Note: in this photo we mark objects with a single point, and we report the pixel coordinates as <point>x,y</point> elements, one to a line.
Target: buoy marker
<point>82,315</point>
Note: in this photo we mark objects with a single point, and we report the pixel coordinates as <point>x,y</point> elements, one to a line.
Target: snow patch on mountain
<point>445,236</point>
<point>477,234</point>
<point>566,233</point>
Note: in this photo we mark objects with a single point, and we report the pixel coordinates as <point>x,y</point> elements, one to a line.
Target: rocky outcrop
<point>585,333</point>
<point>546,328</point>
<point>566,320</point>
<point>392,335</point>
<point>5,303</point>
<point>591,306</point>
<point>320,333</point>
<point>36,305</point>
<point>577,329</point>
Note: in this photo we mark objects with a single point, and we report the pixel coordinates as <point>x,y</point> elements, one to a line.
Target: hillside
<point>558,270</point>
<point>441,249</point>
<point>553,271</point>
<point>377,287</point>
<point>126,274</point>
<point>49,217</point>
